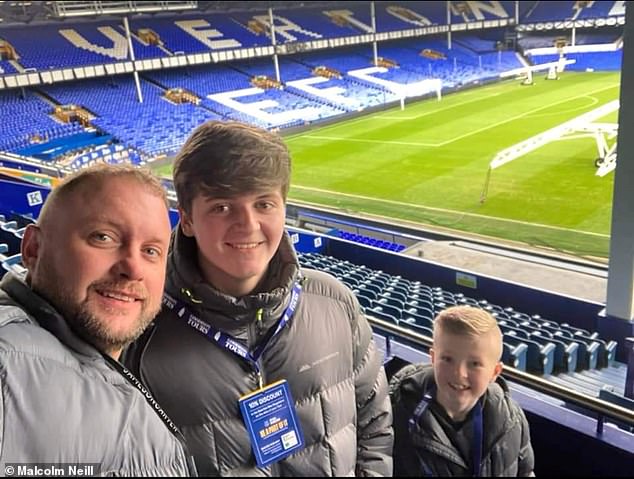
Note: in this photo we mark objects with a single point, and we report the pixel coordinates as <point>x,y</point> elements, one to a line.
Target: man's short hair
<point>93,176</point>
<point>465,321</point>
<point>225,159</point>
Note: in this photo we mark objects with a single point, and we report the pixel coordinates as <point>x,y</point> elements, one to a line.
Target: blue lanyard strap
<point>413,425</point>
<point>227,341</point>
<point>477,439</point>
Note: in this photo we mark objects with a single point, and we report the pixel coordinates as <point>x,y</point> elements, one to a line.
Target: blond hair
<point>465,321</point>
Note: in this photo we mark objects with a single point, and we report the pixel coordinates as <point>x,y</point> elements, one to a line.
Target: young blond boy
<point>455,417</point>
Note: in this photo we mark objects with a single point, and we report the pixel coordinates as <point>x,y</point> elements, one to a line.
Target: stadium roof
<point>16,13</point>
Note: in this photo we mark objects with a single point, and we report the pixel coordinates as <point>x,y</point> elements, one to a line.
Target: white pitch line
<point>431,112</point>
<point>593,101</point>
<point>365,140</point>
<point>444,210</point>
<point>417,104</point>
<point>521,115</point>
<point>447,142</point>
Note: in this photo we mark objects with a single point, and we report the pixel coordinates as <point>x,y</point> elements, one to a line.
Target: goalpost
<point>526,72</point>
<point>419,89</point>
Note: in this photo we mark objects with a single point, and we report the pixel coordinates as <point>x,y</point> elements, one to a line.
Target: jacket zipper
<point>259,328</point>
<point>254,332</point>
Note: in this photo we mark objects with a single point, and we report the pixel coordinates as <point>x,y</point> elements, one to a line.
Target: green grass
<point>428,164</point>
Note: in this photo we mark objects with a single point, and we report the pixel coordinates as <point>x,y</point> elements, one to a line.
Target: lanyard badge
<point>271,420</point>
<point>269,412</point>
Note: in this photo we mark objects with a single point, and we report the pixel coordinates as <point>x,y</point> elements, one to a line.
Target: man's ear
<point>185,222</point>
<point>432,354</point>
<point>30,247</point>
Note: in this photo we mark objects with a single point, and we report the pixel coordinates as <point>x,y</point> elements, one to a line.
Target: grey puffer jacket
<point>326,353</point>
<point>506,449</point>
<point>61,402</point>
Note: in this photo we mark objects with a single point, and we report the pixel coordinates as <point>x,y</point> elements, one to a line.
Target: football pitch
<point>428,163</point>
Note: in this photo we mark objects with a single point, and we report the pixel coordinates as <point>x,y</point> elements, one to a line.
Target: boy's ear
<point>497,370</point>
<point>185,222</point>
<point>30,246</point>
<point>432,354</point>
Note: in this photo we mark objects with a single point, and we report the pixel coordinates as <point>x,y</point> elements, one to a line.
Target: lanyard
<point>44,320</point>
<point>228,342</point>
<point>477,439</point>
<point>132,379</point>
<point>414,425</point>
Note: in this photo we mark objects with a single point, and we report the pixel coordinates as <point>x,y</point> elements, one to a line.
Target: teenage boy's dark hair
<point>225,159</point>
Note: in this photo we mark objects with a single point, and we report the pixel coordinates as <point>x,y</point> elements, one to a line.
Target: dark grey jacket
<point>506,445</point>
<point>61,402</point>
<point>326,353</point>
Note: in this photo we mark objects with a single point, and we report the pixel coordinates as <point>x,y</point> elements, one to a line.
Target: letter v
<point>119,50</point>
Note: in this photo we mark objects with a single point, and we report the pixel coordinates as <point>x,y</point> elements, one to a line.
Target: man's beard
<point>96,331</point>
<point>87,323</point>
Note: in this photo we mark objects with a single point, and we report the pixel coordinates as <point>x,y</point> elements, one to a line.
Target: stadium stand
<point>6,67</point>
<point>27,119</point>
<point>143,128</point>
<point>551,347</point>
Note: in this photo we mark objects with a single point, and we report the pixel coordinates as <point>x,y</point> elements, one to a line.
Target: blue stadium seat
<point>539,358</point>
<point>514,355</point>
<point>608,394</point>
<point>393,311</point>
<point>418,317</point>
<point>606,351</point>
<point>565,357</point>
<point>13,263</point>
<point>588,354</point>
<point>363,300</point>
<point>378,312</point>
<point>392,297</point>
<point>420,329</point>
<point>9,235</point>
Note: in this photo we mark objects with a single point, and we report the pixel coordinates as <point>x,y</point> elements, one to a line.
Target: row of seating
<point>10,235</point>
<point>551,11</point>
<point>531,343</point>
<point>10,262</point>
<point>27,118</point>
<point>591,61</point>
<point>112,154</point>
<point>367,240</point>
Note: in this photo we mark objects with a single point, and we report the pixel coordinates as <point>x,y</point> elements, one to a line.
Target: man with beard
<point>95,265</point>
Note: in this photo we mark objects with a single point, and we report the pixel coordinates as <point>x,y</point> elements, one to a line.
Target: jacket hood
<point>185,282</point>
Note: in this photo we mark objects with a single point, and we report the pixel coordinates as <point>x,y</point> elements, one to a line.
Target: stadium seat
<point>539,358</point>
<point>565,357</point>
<point>424,330</point>
<point>379,313</point>
<point>588,354</point>
<point>412,317</point>
<point>13,263</point>
<point>514,355</point>
<point>393,311</point>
